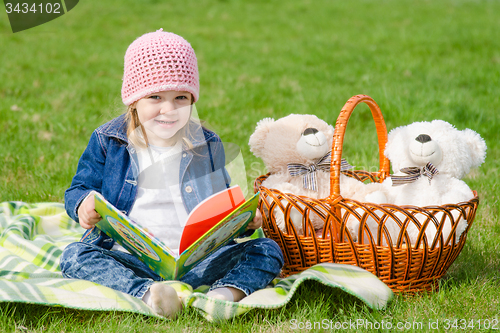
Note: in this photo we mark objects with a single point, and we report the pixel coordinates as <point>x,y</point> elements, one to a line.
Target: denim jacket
<point>109,166</point>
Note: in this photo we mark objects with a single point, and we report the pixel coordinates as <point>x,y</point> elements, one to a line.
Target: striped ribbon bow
<point>309,172</point>
<point>413,173</point>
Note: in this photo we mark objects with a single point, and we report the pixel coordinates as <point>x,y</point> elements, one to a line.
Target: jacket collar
<point>116,128</point>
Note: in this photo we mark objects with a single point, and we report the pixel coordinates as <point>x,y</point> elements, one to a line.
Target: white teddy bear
<point>296,151</point>
<point>429,159</point>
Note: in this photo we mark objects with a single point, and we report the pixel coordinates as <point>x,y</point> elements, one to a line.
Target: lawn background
<point>419,60</point>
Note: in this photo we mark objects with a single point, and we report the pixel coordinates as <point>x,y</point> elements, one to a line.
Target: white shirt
<point>158,206</point>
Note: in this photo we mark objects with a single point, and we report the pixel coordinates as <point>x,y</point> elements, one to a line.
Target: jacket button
<point>184,155</point>
<point>189,189</point>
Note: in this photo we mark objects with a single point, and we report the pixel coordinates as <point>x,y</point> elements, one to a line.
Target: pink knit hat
<point>159,61</point>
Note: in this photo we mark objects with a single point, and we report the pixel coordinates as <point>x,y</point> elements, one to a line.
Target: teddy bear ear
<point>477,147</point>
<point>258,138</point>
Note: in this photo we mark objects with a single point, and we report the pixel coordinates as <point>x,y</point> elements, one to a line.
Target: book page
<point>135,239</point>
<point>232,226</point>
<point>208,213</point>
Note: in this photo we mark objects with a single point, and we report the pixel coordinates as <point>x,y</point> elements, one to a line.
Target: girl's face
<point>163,114</point>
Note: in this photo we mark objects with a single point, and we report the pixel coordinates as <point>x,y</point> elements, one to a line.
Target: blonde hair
<point>140,139</point>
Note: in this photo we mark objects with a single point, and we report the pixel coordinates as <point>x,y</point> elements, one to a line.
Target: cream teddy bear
<point>429,159</point>
<point>296,151</point>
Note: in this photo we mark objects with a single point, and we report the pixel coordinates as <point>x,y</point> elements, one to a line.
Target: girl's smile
<point>166,123</point>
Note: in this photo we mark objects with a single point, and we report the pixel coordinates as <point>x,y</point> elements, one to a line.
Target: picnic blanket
<point>33,236</point>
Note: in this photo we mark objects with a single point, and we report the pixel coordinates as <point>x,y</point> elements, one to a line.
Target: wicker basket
<point>405,265</point>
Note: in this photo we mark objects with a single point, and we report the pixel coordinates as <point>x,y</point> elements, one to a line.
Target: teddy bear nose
<point>423,138</point>
<point>310,130</point>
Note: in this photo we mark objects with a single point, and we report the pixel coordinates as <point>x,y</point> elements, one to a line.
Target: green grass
<point>419,60</point>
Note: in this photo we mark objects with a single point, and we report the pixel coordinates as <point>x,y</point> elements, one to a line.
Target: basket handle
<point>338,141</point>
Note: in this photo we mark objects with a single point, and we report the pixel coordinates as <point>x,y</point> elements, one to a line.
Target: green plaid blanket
<point>33,236</point>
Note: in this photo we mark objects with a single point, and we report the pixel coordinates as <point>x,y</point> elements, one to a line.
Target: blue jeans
<point>247,266</point>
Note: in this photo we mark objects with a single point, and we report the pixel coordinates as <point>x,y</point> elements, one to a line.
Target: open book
<point>212,224</point>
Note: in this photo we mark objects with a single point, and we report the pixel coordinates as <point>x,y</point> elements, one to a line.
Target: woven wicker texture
<point>405,262</point>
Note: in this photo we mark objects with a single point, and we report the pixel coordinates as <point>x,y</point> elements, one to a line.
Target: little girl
<point>156,163</point>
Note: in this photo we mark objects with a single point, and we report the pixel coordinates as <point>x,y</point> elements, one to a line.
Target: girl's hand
<point>86,213</point>
<point>256,222</point>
